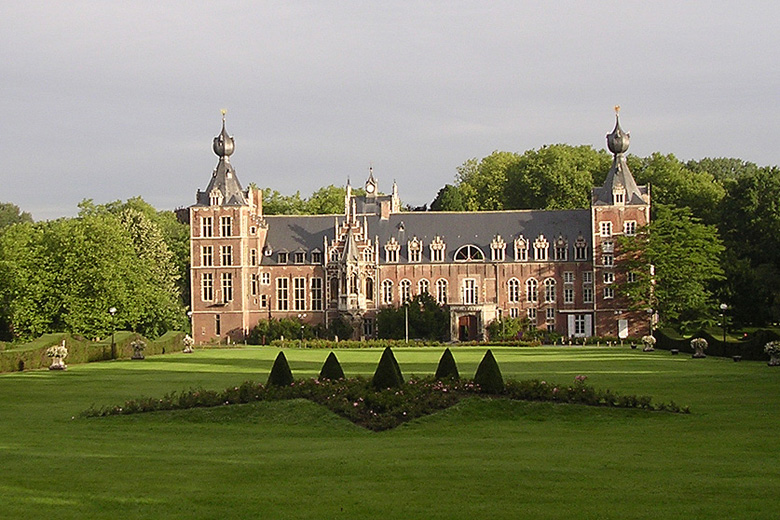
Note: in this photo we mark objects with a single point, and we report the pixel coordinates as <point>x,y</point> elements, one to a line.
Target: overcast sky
<point>110,100</point>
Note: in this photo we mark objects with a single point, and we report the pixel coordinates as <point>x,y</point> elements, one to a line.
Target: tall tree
<point>449,198</point>
<point>685,255</point>
<point>11,214</point>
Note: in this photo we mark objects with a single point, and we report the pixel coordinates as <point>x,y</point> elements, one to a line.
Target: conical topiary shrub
<point>331,369</point>
<point>388,373</point>
<point>280,375</point>
<point>447,368</point>
<point>488,375</point>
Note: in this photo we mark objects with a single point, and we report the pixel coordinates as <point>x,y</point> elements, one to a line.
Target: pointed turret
<point>224,188</point>
<point>619,188</point>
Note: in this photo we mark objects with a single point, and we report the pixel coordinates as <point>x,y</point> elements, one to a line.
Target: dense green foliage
<point>280,374</point>
<point>328,200</point>
<point>687,259</point>
<point>488,375</point>
<point>426,318</point>
<point>447,368</point>
<point>331,369</point>
<point>10,214</point>
<point>64,275</point>
<point>267,331</point>
<point>387,373</point>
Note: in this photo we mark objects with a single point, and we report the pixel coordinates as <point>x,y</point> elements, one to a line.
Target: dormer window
<point>316,256</point>
<point>300,257</point>
<point>215,197</point>
<point>415,250</point>
<point>391,251</point>
<point>469,253</point>
<point>561,249</point>
<point>541,248</point>
<point>437,249</point>
<point>580,249</point>
<point>619,196</point>
<point>521,249</point>
<point>497,249</point>
<point>281,257</point>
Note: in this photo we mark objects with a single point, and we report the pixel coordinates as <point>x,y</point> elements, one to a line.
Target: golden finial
<point>224,111</point>
<point>617,109</point>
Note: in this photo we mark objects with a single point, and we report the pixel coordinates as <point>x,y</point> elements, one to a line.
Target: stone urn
<point>189,343</point>
<point>57,353</point>
<point>699,345</point>
<point>138,349</point>
<point>649,343</point>
<point>773,349</point>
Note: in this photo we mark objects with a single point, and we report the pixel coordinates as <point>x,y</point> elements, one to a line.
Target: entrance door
<point>622,329</point>
<point>467,328</point>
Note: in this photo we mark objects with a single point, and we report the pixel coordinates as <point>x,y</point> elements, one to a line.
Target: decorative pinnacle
<point>224,111</point>
<point>617,109</point>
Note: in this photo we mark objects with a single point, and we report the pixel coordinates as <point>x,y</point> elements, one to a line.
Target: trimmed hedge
<point>388,373</point>
<point>280,375</point>
<point>488,375</point>
<point>331,369</point>
<point>33,355</point>
<point>751,349</point>
<point>447,368</point>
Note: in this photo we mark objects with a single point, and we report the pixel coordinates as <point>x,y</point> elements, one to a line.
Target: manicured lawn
<point>480,459</point>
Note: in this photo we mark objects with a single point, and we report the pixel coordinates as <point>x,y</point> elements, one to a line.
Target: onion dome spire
<point>224,144</point>
<point>617,140</point>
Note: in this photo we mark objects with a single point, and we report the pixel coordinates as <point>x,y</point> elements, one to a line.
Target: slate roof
<point>292,232</point>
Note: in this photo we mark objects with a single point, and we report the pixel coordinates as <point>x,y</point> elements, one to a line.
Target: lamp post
<point>301,317</point>
<point>112,312</point>
<point>723,308</point>
<point>189,318</point>
<point>650,321</point>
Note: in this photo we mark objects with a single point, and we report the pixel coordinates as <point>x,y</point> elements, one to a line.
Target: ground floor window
<point>282,294</point>
<point>368,327</point>
<point>316,294</point>
<point>299,294</point>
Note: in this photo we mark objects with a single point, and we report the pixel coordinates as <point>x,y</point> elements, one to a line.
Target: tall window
<point>207,287</point>
<point>629,227</point>
<point>387,292</point>
<point>253,285</point>
<point>253,257</point>
<point>579,324</point>
<point>532,290</point>
<point>369,289</point>
<point>316,294</point>
<point>368,254</point>
<point>299,294</point>
<point>405,290</point>
<point>469,291</point>
<point>423,287</point>
<point>568,295</point>
<point>550,319</point>
<point>206,227</point>
<point>282,294</point>
<point>549,290</point>
<point>206,256</point>
<point>513,290</point>
<point>226,254</point>
<point>441,291</point>
<point>226,226</point>
<point>227,287</point>
<point>605,229</point>
<point>587,294</point>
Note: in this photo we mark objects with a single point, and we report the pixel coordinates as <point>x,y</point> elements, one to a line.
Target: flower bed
<point>357,401</point>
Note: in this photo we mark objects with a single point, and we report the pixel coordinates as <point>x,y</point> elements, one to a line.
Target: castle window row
<point>540,250</point>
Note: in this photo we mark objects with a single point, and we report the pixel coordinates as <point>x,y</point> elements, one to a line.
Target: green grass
<point>479,459</point>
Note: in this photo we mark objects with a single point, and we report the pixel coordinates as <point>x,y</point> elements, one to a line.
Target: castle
<point>557,267</point>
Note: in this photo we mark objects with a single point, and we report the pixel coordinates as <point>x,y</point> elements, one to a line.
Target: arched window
<point>541,247</point>
<point>405,290</point>
<point>469,253</point>
<point>513,290</point>
<point>423,286</point>
<point>334,288</point>
<point>387,292</point>
<point>441,291</point>
<point>531,290</point>
<point>549,290</point>
<point>369,288</point>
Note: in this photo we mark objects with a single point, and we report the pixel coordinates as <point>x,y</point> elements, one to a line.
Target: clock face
<point>369,188</point>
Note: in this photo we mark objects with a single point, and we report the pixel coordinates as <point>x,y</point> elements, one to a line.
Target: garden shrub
<point>280,375</point>
<point>331,369</point>
<point>447,368</point>
<point>388,373</point>
<point>488,375</point>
